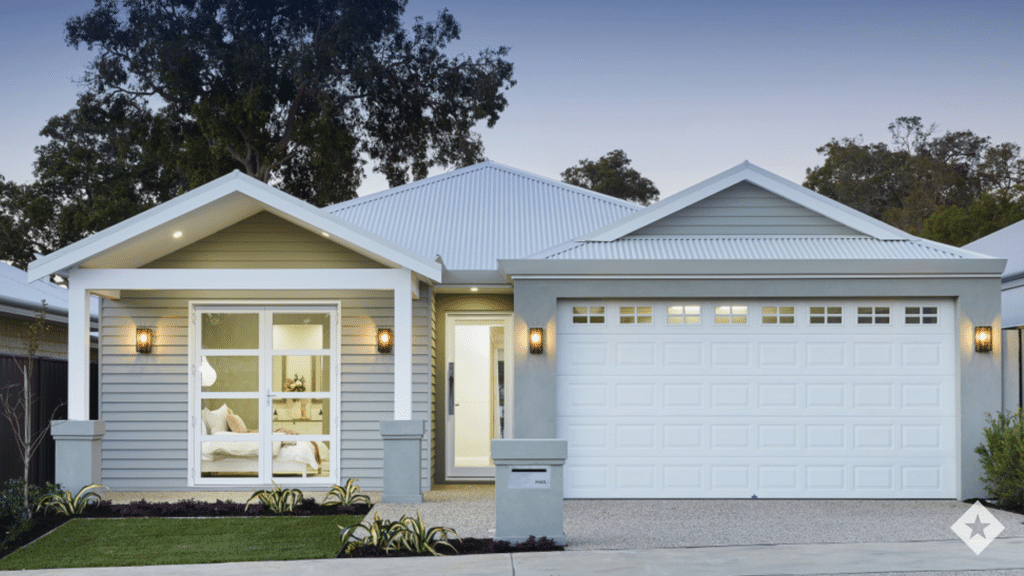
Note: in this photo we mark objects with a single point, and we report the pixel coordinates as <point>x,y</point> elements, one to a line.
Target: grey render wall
<point>144,398</point>
<point>443,304</point>
<point>745,209</point>
<point>980,389</point>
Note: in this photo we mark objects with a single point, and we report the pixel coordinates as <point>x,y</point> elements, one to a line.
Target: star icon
<point>977,527</point>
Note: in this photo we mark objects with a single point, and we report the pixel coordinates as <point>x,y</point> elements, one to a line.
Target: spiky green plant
<point>278,500</point>
<point>406,533</point>
<point>64,504</point>
<point>347,495</point>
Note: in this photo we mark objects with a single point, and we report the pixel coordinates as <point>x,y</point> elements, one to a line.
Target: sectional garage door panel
<point>725,404</point>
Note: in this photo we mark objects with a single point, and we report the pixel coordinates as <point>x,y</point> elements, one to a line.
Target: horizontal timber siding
<point>264,241</point>
<point>745,209</point>
<point>144,398</point>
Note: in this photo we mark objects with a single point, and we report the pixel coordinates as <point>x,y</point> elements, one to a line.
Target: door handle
<point>451,388</point>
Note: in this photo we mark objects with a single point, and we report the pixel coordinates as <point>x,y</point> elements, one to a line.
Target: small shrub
<point>1002,458</point>
<point>11,496</point>
<point>347,495</point>
<point>64,504</point>
<point>406,534</point>
<point>278,500</point>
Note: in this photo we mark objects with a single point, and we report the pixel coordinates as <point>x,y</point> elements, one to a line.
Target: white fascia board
<point>751,268</point>
<point>760,177</point>
<point>280,203</point>
<point>91,279</point>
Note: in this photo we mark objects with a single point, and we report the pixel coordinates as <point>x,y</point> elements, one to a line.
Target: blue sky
<point>687,89</point>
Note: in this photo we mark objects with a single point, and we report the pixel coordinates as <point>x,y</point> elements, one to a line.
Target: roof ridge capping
<point>758,176</point>
<point>457,172</point>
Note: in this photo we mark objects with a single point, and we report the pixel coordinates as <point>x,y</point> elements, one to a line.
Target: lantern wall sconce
<point>536,340</point>
<point>982,338</point>
<point>385,340</point>
<point>143,340</point>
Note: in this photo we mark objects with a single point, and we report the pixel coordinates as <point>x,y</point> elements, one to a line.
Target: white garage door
<point>717,399</point>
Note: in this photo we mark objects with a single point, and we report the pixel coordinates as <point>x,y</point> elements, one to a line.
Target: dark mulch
<point>38,527</point>
<point>989,504</point>
<point>467,546</point>
<point>194,509</point>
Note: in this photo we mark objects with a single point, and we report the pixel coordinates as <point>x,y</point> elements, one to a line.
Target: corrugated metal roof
<point>751,248</point>
<point>19,294</point>
<point>473,216</point>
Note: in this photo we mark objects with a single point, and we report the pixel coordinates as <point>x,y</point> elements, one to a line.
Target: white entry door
<point>779,399</point>
<point>478,387</point>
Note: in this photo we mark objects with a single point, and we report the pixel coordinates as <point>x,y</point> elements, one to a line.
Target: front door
<point>478,387</point>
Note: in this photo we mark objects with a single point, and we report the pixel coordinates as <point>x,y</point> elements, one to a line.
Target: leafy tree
<point>611,174</point>
<point>989,213</point>
<point>920,173</point>
<point>299,90</point>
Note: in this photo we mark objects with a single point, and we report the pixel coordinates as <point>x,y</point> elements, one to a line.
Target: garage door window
<point>873,315</point>
<point>922,315</point>
<point>826,314</point>
<point>778,315</point>
<point>636,315</point>
<point>684,314</point>
<point>588,315</point>
<point>730,314</point>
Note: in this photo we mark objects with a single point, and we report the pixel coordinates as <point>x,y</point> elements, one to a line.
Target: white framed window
<point>785,315</point>
<point>731,314</point>
<point>588,315</point>
<point>686,314</point>
<point>825,314</point>
<point>918,315</point>
<point>636,314</point>
<point>872,315</point>
<point>263,393</point>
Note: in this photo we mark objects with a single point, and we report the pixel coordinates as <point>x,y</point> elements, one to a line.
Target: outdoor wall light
<point>385,340</point>
<point>536,340</point>
<point>982,338</point>
<point>143,340</point>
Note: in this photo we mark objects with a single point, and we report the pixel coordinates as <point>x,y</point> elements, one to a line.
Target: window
<point>872,315</point>
<point>588,314</point>
<point>826,314</point>
<point>922,315</point>
<point>730,314</point>
<point>778,315</point>
<point>684,314</point>
<point>635,315</point>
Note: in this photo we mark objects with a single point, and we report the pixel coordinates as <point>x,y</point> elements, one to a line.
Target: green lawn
<point>85,542</point>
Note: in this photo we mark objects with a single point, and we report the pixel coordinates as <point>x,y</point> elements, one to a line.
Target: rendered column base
<point>78,452</point>
<point>528,489</point>
<point>402,461</point>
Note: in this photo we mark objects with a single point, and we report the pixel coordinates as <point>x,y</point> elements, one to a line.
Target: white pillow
<point>217,420</point>
<point>206,427</point>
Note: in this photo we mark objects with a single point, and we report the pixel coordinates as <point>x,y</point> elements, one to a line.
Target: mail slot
<point>529,478</point>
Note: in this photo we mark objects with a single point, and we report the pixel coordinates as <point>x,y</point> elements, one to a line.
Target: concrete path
<point>1004,557</point>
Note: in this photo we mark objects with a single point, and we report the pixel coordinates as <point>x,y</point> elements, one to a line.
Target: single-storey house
<point>1007,243</point>
<point>743,337</point>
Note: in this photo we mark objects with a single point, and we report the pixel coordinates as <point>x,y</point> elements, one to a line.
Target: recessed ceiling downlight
<point>177,234</point>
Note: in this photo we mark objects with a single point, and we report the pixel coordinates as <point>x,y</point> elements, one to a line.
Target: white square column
<point>78,353</point>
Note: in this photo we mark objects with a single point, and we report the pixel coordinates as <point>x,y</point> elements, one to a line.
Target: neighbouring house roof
<point>751,248</point>
<point>1006,243</point>
<point>19,297</point>
<point>473,216</point>
<point>208,209</point>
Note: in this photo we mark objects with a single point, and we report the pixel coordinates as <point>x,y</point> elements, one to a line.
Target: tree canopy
<point>612,175</point>
<point>304,94</point>
<point>919,176</point>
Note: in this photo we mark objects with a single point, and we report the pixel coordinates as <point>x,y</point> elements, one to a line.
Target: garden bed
<point>466,546</point>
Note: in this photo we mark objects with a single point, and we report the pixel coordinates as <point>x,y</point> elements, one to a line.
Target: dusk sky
<point>687,89</point>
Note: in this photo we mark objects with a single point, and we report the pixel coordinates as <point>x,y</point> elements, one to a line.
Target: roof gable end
<point>670,215</point>
<point>206,210</point>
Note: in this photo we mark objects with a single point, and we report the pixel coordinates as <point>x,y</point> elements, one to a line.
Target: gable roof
<point>207,209</point>
<point>760,177</point>
<point>473,216</point>
<point>1006,243</point>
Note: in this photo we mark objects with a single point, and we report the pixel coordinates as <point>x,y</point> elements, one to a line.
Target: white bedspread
<point>299,451</point>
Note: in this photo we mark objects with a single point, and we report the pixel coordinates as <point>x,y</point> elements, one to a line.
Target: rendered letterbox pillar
<point>528,489</point>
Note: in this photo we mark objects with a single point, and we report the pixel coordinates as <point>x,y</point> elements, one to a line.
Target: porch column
<point>78,353</point>
<point>403,436</point>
